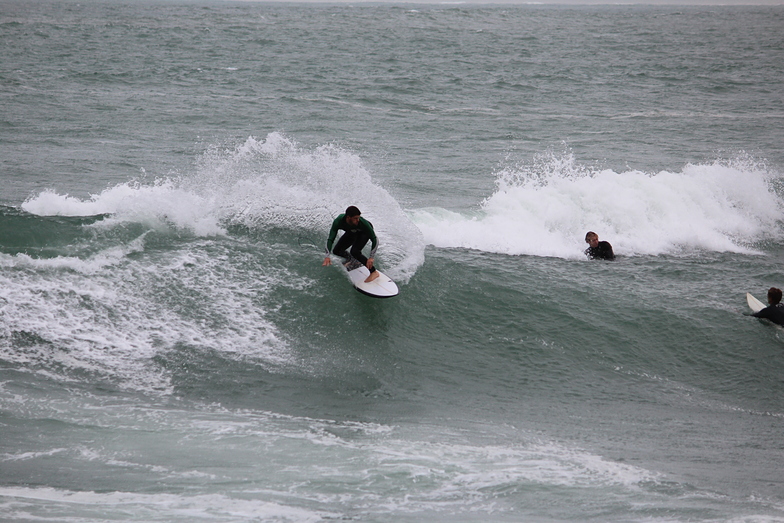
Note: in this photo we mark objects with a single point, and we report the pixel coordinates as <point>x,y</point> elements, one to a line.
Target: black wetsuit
<point>355,237</point>
<point>774,313</point>
<point>603,251</point>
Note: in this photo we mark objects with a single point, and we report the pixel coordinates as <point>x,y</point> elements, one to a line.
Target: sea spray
<point>259,185</point>
<point>166,203</point>
<point>544,208</point>
<point>275,183</point>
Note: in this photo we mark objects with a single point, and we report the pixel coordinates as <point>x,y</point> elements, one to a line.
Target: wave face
<point>142,268</point>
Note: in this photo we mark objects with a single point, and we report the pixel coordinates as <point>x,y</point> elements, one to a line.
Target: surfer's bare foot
<point>373,276</point>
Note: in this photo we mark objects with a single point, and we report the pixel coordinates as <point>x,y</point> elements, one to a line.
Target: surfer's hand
<point>327,261</point>
<point>369,263</point>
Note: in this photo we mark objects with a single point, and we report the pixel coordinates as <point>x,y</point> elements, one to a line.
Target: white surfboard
<point>381,287</point>
<point>754,303</point>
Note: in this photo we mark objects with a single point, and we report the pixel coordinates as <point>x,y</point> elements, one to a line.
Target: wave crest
<point>544,208</point>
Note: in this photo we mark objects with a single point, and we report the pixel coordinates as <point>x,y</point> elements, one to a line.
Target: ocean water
<point>171,348</point>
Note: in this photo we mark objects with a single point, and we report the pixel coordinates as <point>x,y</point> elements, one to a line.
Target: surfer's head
<point>352,216</point>
<point>774,295</point>
<point>591,238</point>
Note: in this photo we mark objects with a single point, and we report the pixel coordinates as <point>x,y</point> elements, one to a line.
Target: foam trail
<point>545,209</point>
<point>110,322</point>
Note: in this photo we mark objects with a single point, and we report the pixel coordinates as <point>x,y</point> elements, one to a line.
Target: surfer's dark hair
<point>589,235</point>
<point>352,211</point>
<point>774,295</point>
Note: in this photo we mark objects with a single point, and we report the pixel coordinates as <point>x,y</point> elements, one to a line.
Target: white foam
<point>111,322</point>
<point>545,209</point>
<point>261,184</point>
<point>48,504</point>
<point>275,183</point>
<point>90,265</point>
<point>161,205</point>
<point>24,456</point>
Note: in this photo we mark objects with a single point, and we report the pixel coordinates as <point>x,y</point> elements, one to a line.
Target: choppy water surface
<point>171,348</point>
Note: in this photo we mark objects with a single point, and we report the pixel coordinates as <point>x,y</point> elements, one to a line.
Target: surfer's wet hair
<point>352,211</point>
<point>774,295</point>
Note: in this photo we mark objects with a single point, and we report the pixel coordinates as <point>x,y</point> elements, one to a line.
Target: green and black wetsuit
<point>354,237</point>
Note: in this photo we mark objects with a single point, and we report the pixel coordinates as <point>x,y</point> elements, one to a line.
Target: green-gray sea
<point>172,350</point>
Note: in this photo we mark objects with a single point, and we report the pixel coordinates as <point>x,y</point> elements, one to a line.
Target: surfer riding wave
<point>357,233</point>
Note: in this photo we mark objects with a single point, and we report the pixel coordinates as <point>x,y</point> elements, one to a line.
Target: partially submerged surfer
<point>775,309</point>
<point>357,233</point>
<point>598,250</point>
